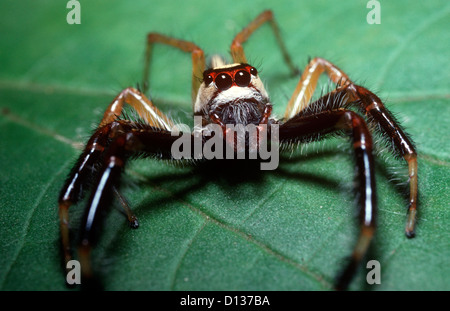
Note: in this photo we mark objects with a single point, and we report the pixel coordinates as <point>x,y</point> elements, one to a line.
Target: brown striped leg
<point>316,126</point>
<point>197,54</point>
<point>373,107</point>
<point>369,104</point>
<point>307,84</point>
<point>237,50</point>
<point>141,104</point>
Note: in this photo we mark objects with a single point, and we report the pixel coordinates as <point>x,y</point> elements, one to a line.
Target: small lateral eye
<point>223,81</point>
<point>242,78</point>
<point>253,71</point>
<point>207,79</point>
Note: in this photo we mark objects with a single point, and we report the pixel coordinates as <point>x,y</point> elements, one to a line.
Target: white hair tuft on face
<point>217,61</point>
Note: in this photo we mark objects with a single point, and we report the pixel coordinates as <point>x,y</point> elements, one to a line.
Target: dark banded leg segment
<point>99,201</point>
<point>126,140</point>
<point>305,128</point>
<point>77,182</point>
<point>373,107</point>
<point>370,105</point>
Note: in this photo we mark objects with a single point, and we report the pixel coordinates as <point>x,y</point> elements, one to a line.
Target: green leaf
<point>212,229</point>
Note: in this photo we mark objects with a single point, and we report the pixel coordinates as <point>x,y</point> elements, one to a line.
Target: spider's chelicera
<point>233,119</point>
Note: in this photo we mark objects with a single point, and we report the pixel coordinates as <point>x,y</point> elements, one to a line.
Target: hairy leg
<point>318,125</point>
<point>370,105</point>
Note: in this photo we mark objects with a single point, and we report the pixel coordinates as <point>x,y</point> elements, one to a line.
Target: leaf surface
<point>205,228</point>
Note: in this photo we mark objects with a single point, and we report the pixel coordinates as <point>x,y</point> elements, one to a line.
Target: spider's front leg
<point>402,145</point>
<point>370,105</point>
<point>77,182</point>
<point>313,127</point>
<point>91,161</point>
<point>127,138</point>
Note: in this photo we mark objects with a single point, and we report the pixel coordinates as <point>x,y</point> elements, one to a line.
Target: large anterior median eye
<point>242,78</point>
<point>223,81</point>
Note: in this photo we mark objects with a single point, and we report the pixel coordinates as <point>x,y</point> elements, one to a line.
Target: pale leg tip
<point>410,224</point>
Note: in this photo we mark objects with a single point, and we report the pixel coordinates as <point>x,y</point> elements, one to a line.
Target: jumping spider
<point>234,94</point>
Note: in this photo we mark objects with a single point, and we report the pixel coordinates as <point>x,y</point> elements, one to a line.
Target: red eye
<point>223,81</point>
<point>242,78</point>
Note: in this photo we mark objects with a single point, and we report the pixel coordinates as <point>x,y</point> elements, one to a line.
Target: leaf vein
<point>23,234</point>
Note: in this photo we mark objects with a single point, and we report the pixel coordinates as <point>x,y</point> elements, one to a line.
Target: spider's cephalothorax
<point>230,95</point>
<point>233,94</point>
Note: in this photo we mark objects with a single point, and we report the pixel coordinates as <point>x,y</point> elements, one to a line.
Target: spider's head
<point>235,93</point>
